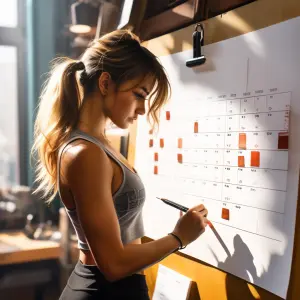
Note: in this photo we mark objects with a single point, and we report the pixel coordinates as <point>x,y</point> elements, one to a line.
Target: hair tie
<point>78,66</point>
<point>83,77</point>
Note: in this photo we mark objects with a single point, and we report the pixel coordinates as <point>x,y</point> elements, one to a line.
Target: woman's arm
<point>89,175</point>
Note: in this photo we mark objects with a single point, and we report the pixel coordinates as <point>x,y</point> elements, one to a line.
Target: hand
<point>192,224</point>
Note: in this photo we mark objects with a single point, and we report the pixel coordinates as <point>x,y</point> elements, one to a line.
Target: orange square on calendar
<point>242,141</point>
<point>151,143</point>
<point>225,214</point>
<point>180,143</point>
<point>168,115</point>
<point>155,170</point>
<point>161,143</point>
<point>255,158</point>
<point>283,140</point>
<point>241,161</point>
<point>155,156</point>
<point>179,158</point>
<point>196,127</point>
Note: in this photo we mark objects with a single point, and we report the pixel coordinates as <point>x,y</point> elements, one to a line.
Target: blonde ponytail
<point>58,113</point>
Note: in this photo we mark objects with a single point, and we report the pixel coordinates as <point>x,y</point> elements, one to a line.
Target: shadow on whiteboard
<point>242,262</point>
<point>208,66</point>
<point>231,282</point>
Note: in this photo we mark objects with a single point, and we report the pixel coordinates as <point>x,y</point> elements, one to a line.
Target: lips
<point>132,119</point>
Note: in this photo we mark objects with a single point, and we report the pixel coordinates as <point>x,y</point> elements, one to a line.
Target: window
<point>13,109</point>
<point>9,136</point>
<point>8,13</point>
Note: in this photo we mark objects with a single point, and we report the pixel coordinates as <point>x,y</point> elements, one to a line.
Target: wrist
<point>178,239</point>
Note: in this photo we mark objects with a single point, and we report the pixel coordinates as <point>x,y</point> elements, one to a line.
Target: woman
<point>103,195</point>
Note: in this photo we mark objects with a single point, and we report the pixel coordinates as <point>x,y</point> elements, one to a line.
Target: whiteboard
<point>229,138</point>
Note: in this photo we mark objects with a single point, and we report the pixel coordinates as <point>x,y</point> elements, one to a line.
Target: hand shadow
<point>241,262</point>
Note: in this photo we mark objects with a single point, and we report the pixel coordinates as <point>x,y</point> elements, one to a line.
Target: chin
<point>123,125</point>
<point>120,123</point>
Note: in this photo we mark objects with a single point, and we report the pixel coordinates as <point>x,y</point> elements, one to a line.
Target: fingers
<point>202,217</point>
<point>205,221</point>
<point>181,214</point>
<point>198,207</point>
<point>204,213</point>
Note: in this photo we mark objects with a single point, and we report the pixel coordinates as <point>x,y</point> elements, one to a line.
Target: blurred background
<point>37,246</point>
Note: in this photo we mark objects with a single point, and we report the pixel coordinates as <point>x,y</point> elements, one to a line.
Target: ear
<point>104,82</point>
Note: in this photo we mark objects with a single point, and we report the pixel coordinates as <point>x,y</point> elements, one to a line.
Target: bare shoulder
<point>83,159</point>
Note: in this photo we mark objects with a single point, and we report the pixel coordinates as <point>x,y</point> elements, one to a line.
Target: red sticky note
<point>155,156</point>
<point>180,143</point>
<point>196,128</point>
<point>155,170</point>
<point>151,143</point>
<point>168,115</point>
<point>179,158</point>
<point>283,140</point>
<point>242,140</point>
<point>225,214</point>
<point>161,143</point>
<point>255,158</point>
<point>241,161</point>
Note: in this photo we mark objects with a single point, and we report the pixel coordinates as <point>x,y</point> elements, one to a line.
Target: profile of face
<point>124,104</point>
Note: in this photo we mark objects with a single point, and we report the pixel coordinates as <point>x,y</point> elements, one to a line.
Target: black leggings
<point>87,282</point>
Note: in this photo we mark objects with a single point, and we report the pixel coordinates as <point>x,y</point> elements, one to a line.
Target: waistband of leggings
<point>88,271</point>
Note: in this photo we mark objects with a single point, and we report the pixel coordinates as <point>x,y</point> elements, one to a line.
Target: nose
<point>141,108</point>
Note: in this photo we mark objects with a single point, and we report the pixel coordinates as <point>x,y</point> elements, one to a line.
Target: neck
<point>92,119</point>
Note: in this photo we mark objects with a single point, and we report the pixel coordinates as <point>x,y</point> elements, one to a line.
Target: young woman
<point>104,195</point>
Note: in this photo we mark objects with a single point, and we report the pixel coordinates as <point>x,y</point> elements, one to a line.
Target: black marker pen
<point>171,203</point>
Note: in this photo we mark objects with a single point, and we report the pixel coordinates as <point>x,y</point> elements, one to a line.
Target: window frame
<point>16,37</point>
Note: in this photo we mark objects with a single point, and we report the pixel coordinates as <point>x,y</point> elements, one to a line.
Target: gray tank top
<point>128,200</point>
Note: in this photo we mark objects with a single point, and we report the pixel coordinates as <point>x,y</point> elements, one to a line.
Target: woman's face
<point>123,106</point>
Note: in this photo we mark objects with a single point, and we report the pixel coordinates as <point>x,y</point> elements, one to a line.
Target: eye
<point>139,96</point>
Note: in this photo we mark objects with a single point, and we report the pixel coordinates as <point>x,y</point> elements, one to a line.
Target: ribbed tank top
<point>128,200</point>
